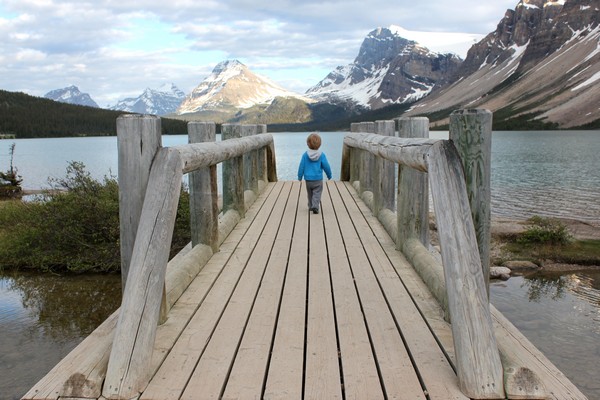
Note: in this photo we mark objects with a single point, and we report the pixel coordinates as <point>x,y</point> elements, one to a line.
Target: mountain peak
<point>161,101</point>
<point>71,95</point>
<point>233,85</point>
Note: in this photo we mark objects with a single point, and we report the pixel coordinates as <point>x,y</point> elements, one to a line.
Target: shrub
<point>543,230</point>
<point>74,226</point>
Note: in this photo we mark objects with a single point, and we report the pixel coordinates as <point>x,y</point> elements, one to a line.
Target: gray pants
<point>313,191</point>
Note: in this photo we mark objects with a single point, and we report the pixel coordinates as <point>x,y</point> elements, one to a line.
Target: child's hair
<point>313,141</point>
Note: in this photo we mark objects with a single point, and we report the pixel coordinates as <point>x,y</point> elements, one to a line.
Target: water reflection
<point>560,315</point>
<point>43,317</point>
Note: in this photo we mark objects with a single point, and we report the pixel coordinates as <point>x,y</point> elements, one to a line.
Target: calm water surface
<point>42,317</point>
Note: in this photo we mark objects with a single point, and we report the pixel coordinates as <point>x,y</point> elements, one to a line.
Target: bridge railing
<point>150,181</point>
<point>370,157</point>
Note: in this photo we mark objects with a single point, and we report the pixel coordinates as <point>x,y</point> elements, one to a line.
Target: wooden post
<point>138,140</point>
<point>233,174</point>
<point>368,163</point>
<point>262,156</point>
<point>413,189</point>
<point>250,162</point>
<point>355,157</point>
<point>478,364</point>
<point>384,184</point>
<point>471,132</point>
<point>204,209</point>
<point>128,373</point>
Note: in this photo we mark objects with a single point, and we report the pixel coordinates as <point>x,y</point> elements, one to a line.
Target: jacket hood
<point>314,155</point>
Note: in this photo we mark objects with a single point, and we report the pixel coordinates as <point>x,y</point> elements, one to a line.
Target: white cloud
<point>113,48</point>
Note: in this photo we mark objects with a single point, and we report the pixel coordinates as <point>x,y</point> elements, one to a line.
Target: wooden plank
<point>419,291</point>
<point>172,376</point>
<point>211,372</point>
<point>322,380</point>
<point>360,376</point>
<point>248,373</point>
<point>392,356</point>
<point>286,369</point>
<point>433,368</point>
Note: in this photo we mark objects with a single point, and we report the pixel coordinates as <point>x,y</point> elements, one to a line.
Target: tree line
<point>28,116</point>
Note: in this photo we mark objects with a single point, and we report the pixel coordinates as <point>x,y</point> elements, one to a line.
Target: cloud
<point>114,49</point>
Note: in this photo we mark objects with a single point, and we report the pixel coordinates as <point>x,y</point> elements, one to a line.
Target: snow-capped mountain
<point>232,85</point>
<point>389,69</point>
<point>71,95</point>
<point>541,65</point>
<point>164,100</point>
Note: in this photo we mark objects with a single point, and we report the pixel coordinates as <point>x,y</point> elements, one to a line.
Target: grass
<point>548,239</point>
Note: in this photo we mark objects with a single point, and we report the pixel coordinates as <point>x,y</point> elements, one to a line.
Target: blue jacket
<point>312,165</point>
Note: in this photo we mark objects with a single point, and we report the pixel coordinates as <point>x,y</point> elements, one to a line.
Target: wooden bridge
<point>271,301</point>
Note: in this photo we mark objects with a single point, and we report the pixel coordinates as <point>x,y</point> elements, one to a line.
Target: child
<point>312,165</point>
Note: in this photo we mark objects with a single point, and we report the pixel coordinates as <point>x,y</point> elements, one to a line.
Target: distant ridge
<point>71,95</point>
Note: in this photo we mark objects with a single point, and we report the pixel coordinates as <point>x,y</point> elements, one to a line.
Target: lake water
<point>543,173</point>
<point>42,317</point>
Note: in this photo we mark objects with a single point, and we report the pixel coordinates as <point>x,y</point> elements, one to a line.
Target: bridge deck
<point>302,305</point>
<point>297,305</point>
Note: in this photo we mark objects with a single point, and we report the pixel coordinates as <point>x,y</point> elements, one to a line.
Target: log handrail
<point>478,364</point>
<point>128,367</point>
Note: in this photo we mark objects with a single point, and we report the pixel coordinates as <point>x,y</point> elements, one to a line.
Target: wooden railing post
<point>204,209</point>
<point>138,140</point>
<point>355,158</point>
<point>233,174</point>
<point>250,162</point>
<point>471,132</point>
<point>368,162</point>
<point>262,158</point>
<point>384,184</point>
<point>413,189</point>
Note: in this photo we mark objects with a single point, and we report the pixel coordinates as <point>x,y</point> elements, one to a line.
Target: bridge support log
<point>233,174</point>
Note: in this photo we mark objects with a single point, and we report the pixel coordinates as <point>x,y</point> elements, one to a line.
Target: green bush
<point>543,230</point>
<point>73,227</point>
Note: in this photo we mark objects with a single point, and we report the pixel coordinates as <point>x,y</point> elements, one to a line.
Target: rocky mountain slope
<point>232,90</point>
<point>164,100</point>
<point>71,95</point>
<point>389,69</point>
<point>541,65</point>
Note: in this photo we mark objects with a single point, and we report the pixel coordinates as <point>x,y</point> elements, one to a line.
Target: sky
<point>113,49</point>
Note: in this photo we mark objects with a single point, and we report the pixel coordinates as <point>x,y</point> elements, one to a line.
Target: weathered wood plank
<point>233,174</point>
<point>360,375</point>
<point>384,185</point>
<point>286,369</point>
<point>171,378</point>
<point>322,379</point>
<point>392,356</point>
<point>211,372</point>
<point>248,373</point>
<point>433,368</point>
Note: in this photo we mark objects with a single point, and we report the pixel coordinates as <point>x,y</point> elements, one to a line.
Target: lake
<point>42,317</point>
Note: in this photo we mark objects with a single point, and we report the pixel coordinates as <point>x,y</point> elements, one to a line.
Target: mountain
<point>164,100</point>
<point>232,88</point>
<point>539,68</point>
<point>389,69</point>
<point>71,95</point>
